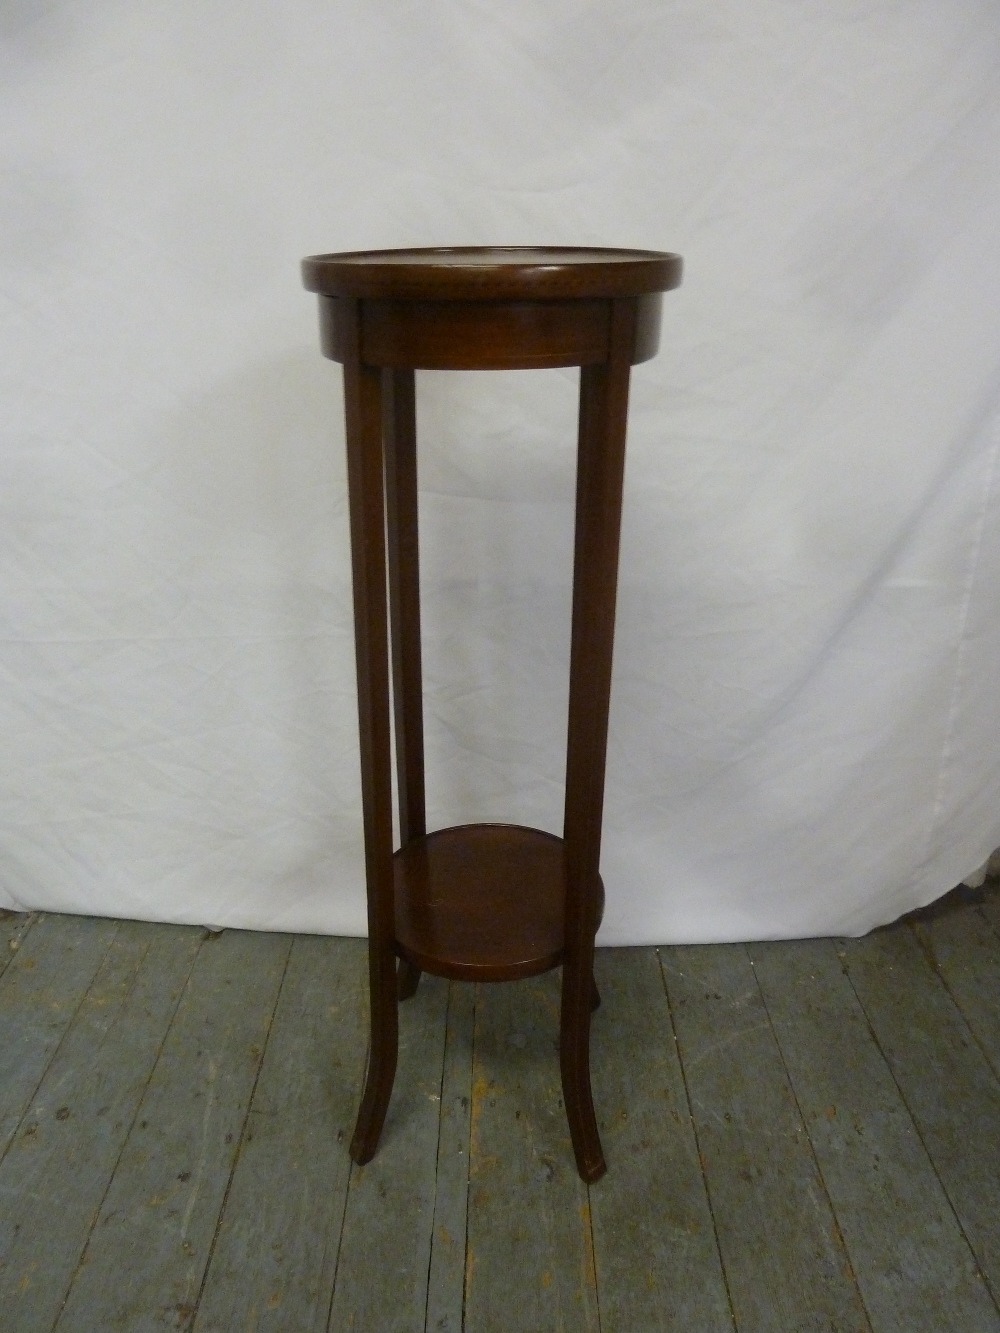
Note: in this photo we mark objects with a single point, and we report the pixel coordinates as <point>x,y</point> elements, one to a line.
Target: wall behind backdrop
<point>805,731</point>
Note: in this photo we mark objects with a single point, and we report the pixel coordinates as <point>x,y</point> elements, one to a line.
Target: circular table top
<point>492,273</point>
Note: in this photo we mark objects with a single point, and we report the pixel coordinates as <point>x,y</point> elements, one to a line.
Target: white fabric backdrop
<point>805,718</point>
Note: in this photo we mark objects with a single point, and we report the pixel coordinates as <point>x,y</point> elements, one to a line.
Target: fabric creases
<point>804,719</point>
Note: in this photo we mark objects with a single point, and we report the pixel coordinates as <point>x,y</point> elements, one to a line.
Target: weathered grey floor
<point>800,1136</point>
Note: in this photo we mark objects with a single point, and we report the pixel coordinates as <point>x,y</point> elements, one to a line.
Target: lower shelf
<point>482,902</point>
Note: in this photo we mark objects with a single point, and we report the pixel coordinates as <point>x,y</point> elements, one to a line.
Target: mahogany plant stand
<point>484,902</point>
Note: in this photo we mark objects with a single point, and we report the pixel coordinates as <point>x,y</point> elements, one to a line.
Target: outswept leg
<point>599,481</point>
<point>382,1052</point>
<point>574,1062</point>
<point>364,429</point>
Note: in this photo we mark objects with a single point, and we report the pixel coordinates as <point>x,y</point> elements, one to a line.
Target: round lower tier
<point>482,902</point>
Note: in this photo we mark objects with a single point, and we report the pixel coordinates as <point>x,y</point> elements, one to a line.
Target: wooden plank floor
<point>800,1136</point>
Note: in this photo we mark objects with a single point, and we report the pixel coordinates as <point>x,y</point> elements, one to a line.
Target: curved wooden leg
<point>364,426</point>
<point>407,979</point>
<point>599,479</point>
<point>381,1057</point>
<point>574,1063</point>
<point>595,996</point>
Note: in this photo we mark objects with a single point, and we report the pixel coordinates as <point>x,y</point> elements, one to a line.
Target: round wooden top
<point>492,273</point>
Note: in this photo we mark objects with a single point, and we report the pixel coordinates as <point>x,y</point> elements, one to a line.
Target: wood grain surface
<point>800,1136</point>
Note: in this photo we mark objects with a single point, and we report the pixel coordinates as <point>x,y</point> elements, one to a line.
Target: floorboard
<point>963,947</point>
<point>656,1250</point>
<point>275,1254</point>
<point>913,1264</point>
<point>529,1258</point>
<point>62,1160</point>
<point>800,1136</point>
<point>382,1268</point>
<point>446,1279</point>
<point>40,992</point>
<point>14,926</point>
<point>989,903</point>
<point>146,1255</point>
<point>948,1087</point>
<point>792,1273</point>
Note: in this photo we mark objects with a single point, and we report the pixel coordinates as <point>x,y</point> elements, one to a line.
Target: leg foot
<point>583,1130</point>
<point>574,1061</point>
<point>381,1061</point>
<point>374,1104</point>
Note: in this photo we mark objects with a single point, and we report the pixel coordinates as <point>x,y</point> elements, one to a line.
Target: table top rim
<point>494,271</point>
